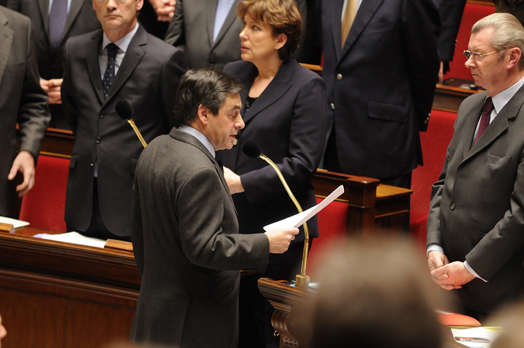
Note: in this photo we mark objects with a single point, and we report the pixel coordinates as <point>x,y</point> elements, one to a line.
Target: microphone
<point>253,150</point>
<point>125,111</point>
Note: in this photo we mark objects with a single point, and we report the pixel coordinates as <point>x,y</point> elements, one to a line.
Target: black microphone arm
<point>253,150</point>
<point>125,111</point>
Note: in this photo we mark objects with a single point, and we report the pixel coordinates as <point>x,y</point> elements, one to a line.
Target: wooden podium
<point>60,295</point>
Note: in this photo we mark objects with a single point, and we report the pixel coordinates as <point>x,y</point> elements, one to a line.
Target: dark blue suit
<point>380,84</point>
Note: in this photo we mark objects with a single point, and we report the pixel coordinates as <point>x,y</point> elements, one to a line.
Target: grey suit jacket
<point>148,79</point>
<point>477,205</point>
<point>191,30</point>
<point>22,100</point>
<point>187,247</point>
<point>81,19</point>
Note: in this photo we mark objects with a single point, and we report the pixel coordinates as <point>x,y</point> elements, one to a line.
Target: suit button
<point>98,140</point>
<point>339,77</point>
<point>332,106</point>
<point>101,115</point>
<point>91,164</point>
<point>453,206</point>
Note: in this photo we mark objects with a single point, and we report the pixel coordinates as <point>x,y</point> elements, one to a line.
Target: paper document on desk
<point>16,223</point>
<point>74,238</point>
<point>299,219</point>
<point>477,337</point>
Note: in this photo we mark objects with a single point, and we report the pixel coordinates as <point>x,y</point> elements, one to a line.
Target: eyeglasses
<point>476,55</point>
<point>104,1</point>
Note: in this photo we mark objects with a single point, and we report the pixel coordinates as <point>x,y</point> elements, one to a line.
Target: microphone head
<point>124,109</point>
<point>251,149</point>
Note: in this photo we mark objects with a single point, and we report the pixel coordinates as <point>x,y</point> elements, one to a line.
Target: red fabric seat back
<point>44,206</point>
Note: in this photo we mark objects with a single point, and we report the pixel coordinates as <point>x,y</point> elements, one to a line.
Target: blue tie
<point>57,22</point>
<point>109,75</point>
<point>223,8</point>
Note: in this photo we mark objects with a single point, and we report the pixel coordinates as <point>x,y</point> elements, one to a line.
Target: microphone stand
<point>137,132</point>
<point>302,280</point>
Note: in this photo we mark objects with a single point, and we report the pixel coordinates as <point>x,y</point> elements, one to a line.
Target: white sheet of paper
<point>473,337</point>
<point>74,238</point>
<point>14,222</point>
<point>298,219</point>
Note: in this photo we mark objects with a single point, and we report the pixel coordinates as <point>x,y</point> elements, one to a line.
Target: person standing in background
<point>380,66</point>
<point>450,17</point>
<point>53,23</point>
<point>514,7</point>
<point>121,61</point>
<point>22,102</point>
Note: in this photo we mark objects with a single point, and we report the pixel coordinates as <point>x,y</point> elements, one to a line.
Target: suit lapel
<point>7,40</point>
<point>135,52</point>
<point>364,14</point>
<point>335,12</point>
<point>187,138</point>
<point>500,124</point>
<point>93,67</point>
<point>44,12</point>
<point>230,19</point>
<point>276,89</point>
<point>211,10</point>
<point>76,5</point>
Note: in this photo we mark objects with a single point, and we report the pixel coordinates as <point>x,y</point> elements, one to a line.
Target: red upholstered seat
<point>44,206</point>
<point>434,146</point>
<point>332,225</point>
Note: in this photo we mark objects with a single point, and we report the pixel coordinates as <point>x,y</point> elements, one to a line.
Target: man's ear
<point>514,57</point>
<point>203,114</point>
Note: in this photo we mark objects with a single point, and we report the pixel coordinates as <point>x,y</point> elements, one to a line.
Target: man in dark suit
<point>145,71</point>
<point>450,17</point>
<point>475,222</point>
<point>185,230</point>
<point>196,29</point>
<point>53,23</point>
<point>22,101</point>
<point>380,83</point>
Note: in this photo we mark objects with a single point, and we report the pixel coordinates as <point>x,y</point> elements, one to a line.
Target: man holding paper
<point>184,225</point>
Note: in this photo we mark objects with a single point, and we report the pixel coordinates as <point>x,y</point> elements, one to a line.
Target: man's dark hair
<point>208,87</point>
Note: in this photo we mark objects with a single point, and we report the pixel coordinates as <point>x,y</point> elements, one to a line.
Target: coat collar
<point>276,89</point>
<point>230,19</point>
<point>189,139</point>
<point>499,125</point>
<point>44,13</point>
<point>7,39</point>
<point>133,56</point>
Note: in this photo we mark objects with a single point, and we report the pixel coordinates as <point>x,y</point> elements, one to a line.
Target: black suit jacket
<point>477,210</point>
<point>147,79</point>
<point>450,16</point>
<point>381,83</point>
<point>515,7</point>
<point>81,19</point>
<point>288,121</point>
<point>189,251</point>
<point>22,100</point>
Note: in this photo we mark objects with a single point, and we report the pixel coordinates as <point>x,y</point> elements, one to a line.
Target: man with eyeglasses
<point>121,61</point>
<point>476,218</point>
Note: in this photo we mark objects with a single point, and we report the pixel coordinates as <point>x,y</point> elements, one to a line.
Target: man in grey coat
<point>476,218</point>
<point>184,224</point>
<point>22,101</point>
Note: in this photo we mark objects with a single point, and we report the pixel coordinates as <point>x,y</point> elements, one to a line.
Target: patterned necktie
<point>57,21</point>
<point>347,20</point>
<point>484,120</point>
<point>109,75</point>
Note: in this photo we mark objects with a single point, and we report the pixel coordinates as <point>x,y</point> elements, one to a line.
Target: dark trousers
<point>97,228</point>
<point>256,330</point>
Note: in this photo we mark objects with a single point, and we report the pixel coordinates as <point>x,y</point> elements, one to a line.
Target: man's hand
<point>233,181</point>
<point>452,276</point>
<point>280,238</point>
<point>165,9</point>
<point>441,72</point>
<point>25,164</point>
<point>52,88</point>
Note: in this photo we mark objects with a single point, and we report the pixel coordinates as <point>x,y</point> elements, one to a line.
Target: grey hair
<point>507,33</point>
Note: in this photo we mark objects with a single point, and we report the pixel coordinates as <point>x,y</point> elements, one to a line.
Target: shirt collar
<point>200,137</point>
<point>500,100</point>
<point>124,42</point>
